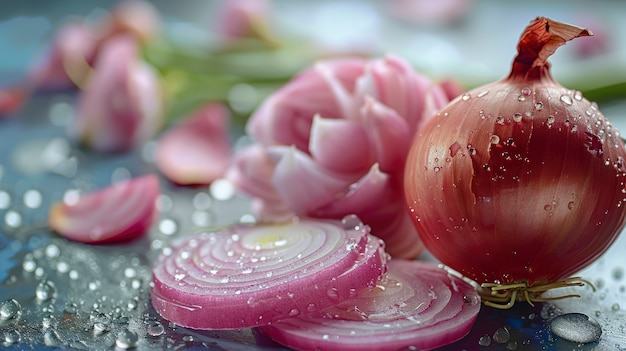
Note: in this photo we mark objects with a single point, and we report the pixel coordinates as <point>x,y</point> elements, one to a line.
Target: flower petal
<point>251,172</point>
<point>302,183</point>
<point>378,200</point>
<point>197,151</point>
<point>121,104</point>
<point>388,134</point>
<point>285,118</point>
<point>340,145</point>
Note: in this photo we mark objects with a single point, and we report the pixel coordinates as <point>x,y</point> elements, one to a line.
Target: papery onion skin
<point>521,180</point>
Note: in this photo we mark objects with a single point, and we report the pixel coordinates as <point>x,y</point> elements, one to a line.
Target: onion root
<point>504,296</point>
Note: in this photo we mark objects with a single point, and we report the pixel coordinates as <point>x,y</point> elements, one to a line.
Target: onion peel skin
<point>247,276</point>
<point>118,213</point>
<point>416,305</point>
<point>519,182</point>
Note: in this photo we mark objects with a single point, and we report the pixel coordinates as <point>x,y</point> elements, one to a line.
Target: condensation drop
<point>526,91</point>
<point>351,222</point>
<point>10,309</point>
<point>576,327</point>
<point>484,340</point>
<point>51,338</point>
<point>45,290</point>
<point>566,99</point>
<point>494,139</point>
<point>521,98</point>
<point>126,339</point>
<point>539,106</point>
<point>550,120</point>
<point>517,117</point>
<point>482,93</point>
<point>501,335</point>
<point>571,205</point>
<point>466,97</point>
<point>156,329</point>
<point>615,307</point>
<point>11,337</point>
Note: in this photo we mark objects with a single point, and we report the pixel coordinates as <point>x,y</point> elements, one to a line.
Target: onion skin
<point>521,180</point>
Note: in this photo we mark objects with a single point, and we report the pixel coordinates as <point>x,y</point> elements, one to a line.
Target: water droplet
<point>494,139</point>
<point>484,340</point>
<point>618,273</point>
<point>517,117</point>
<point>168,226</point>
<point>539,106</point>
<point>615,307</point>
<point>547,207</point>
<point>10,309</point>
<point>222,189</point>
<point>126,339</point>
<point>512,346</point>
<point>501,335</point>
<point>156,329</point>
<point>466,97</point>
<point>13,219</point>
<point>521,98</point>
<point>100,328</point>
<point>576,327</point>
<point>5,200</point>
<point>351,222</point>
<point>437,169</point>
<point>550,120</point>
<point>571,205</point>
<point>333,294</point>
<point>51,338</point>
<point>578,95</point>
<point>482,93</point>
<point>202,201</point>
<point>52,251</point>
<point>526,91</point>
<point>32,198</point>
<point>45,290</point>
<point>11,337</point>
<point>164,203</point>
<point>294,312</point>
<point>120,174</point>
<point>566,99</point>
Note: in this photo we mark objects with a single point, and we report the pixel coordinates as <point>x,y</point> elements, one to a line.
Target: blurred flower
<point>198,150</point>
<point>332,142</point>
<point>244,19</point>
<point>121,104</point>
<point>11,99</point>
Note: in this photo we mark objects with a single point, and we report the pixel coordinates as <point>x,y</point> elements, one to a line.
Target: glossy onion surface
<point>521,180</point>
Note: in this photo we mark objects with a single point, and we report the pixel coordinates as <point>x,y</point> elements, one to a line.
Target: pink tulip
<point>332,142</point>
<point>121,105</point>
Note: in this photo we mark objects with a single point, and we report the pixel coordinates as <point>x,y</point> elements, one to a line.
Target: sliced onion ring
<point>417,304</point>
<point>246,276</point>
<point>117,213</point>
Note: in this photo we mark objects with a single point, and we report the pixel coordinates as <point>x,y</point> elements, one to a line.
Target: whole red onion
<point>519,183</point>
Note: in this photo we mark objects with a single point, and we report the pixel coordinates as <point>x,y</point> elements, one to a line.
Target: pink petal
<point>121,105</point>
<point>285,118</point>
<point>198,150</point>
<point>378,201</point>
<point>340,145</point>
<point>388,134</point>
<point>238,18</point>
<point>302,184</point>
<point>121,212</point>
<point>251,172</point>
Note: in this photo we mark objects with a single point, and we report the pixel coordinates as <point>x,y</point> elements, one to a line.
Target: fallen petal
<point>121,212</point>
<point>198,150</point>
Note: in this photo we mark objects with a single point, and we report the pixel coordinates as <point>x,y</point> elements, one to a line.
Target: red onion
<point>246,276</point>
<point>120,212</point>
<point>416,305</point>
<point>520,183</point>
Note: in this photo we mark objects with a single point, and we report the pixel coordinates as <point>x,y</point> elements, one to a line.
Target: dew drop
<point>11,337</point>
<point>517,117</point>
<point>100,328</point>
<point>156,329</point>
<point>566,99</point>
<point>466,97</point>
<point>500,120</point>
<point>484,340</point>
<point>294,312</point>
<point>482,93</point>
<point>10,309</point>
<point>615,307</point>
<point>548,207</point>
<point>45,290</point>
<point>126,339</point>
<point>578,95</point>
<point>526,91</point>
<point>539,106</point>
<point>521,98</point>
<point>571,205</point>
<point>494,139</point>
<point>550,120</point>
<point>222,189</point>
<point>501,335</point>
<point>51,338</point>
<point>168,226</point>
<point>351,222</point>
<point>333,294</point>
<point>437,169</point>
<point>618,273</point>
<point>576,327</point>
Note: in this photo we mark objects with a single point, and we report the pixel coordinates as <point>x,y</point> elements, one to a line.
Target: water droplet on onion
<point>45,290</point>
<point>502,335</point>
<point>10,309</point>
<point>127,339</point>
<point>566,99</point>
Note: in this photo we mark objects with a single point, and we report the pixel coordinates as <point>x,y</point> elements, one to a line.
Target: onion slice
<point>198,150</point>
<point>247,276</point>
<point>416,305</point>
<point>118,213</point>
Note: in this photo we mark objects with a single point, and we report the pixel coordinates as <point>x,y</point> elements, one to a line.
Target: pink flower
<point>121,105</point>
<point>333,141</point>
<point>198,150</point>
<point>242,19</point>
